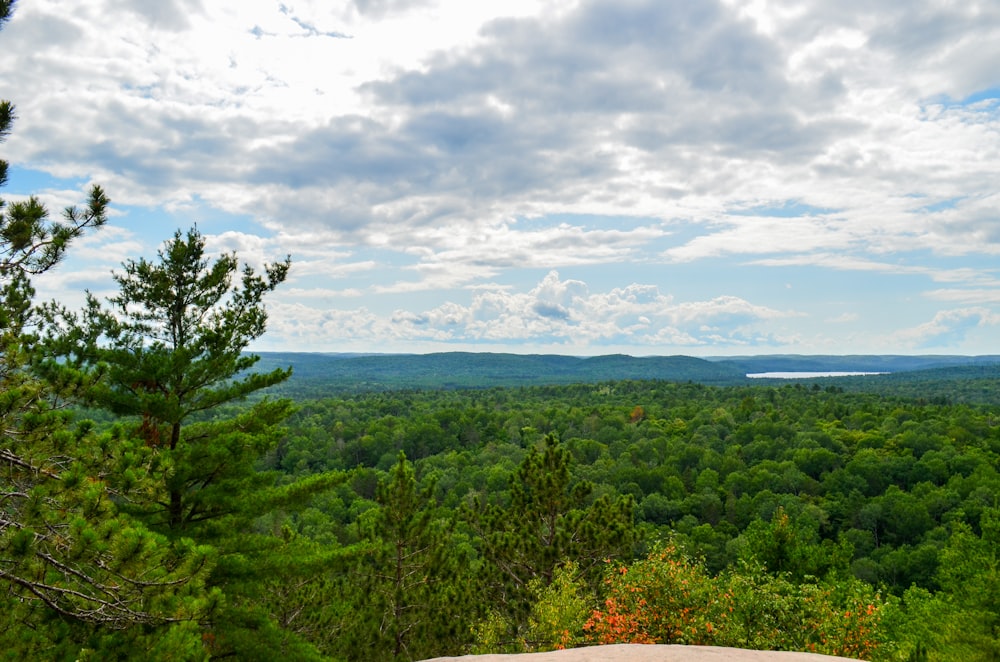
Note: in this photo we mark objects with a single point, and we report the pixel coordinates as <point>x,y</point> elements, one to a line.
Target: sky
<point>585,177</point>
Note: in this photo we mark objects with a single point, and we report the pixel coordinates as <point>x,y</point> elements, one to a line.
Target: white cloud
<point>396,147</point>
<point>847,262</point>
<point>554,313</point>
<point>609,106</point>
<point>970,296</point>
<point>948,328</point>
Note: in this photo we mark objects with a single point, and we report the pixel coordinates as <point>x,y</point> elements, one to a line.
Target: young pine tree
<point>408,594</point>
<point>168,354</point>
<point>550,521</point>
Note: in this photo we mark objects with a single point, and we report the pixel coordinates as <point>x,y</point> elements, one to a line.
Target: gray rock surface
<point>647,653</point>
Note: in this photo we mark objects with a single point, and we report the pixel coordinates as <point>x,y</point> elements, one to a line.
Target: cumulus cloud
<point>627,105</point>
<point>448,144</point>
<point>555,313</point>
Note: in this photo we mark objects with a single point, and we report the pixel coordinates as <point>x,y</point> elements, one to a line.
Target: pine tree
<point>549,521</point>
<point>168,355</point>
<point>171,355</point>
<point>76,574</point>
<point>407,594</point>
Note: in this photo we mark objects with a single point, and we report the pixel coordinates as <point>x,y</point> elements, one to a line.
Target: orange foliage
<point>663,599</point>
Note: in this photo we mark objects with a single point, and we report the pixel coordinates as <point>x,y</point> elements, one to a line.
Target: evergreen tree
<point>76,574</point>
<point>171,355</point>
<point>168,354</point>
<point>409,590</point>
<point>549,521</point>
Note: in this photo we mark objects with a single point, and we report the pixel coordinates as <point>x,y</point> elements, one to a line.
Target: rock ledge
<point>647,653</point>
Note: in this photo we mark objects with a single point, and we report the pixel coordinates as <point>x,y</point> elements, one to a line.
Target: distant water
<point>807,375</point>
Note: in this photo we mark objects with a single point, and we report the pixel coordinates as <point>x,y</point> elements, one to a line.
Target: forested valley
<point>165,496</point>
<point>795,517</point>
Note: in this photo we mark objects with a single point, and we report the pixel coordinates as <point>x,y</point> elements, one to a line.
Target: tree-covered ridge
<point>319,374</point>
<point>956,378</point>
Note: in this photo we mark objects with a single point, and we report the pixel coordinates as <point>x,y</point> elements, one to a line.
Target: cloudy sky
<point>569,176</point>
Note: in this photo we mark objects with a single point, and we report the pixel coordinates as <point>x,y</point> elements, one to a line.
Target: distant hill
<point>479,370</point>
<point>851,363</point>
<point>321,374</point>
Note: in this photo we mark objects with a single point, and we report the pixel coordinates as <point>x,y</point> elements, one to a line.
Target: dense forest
<point>166,495</point>
<point>772,497</point>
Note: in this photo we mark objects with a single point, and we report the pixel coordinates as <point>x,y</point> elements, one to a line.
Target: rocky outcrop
<point>647,653</point>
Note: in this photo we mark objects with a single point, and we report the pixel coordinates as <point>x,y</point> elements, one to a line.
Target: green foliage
<point>772,612</point>
<point>81,579</point>
<point>792,548</point>
<point>549,520</point>
<point>556,620</point>
<point>170,353</point>
<point>168,358</point>
<point>670,598</point>
<point>39,635</point>
<point>408,592</point>
<point>962,620</point>
<point>558,610</point>
<point>821,487</point>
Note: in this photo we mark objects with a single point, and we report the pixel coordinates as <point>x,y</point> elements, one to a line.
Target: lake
<point>807,375</point>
